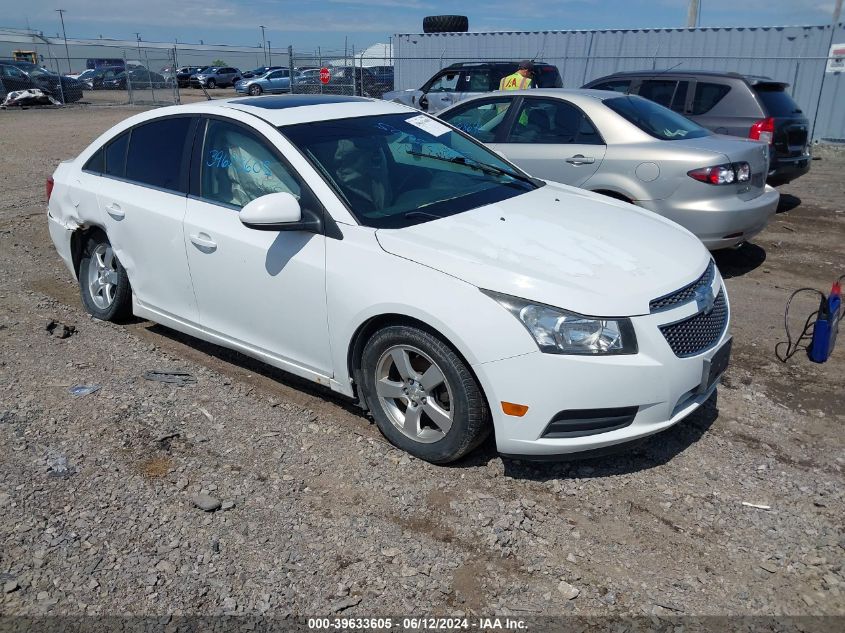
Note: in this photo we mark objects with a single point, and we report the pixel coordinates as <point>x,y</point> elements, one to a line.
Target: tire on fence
<point>445,24</point>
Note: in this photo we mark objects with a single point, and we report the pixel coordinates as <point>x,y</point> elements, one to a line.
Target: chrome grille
<point>685,294</point>
<point>699,332</point>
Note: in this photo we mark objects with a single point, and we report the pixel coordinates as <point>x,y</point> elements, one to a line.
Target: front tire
<point>255,90</point>
<point>422,395</point>
<point>211,84</point>
<point>103,283</point>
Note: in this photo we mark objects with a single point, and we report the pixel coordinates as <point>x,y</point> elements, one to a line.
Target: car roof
<point>575,95</point>
<point>491,64</point>
<point>280,110</point>
<point>649,74</point>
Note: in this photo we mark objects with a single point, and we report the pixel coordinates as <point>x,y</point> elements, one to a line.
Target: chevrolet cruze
<point>371,248</point>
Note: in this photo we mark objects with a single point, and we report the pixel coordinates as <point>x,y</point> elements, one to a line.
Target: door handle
<point>580,159</point>
<point>114,210</point>
<point>203,241</point>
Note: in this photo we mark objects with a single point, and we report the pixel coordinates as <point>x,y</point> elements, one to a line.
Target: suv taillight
<point>763,130</point>
<point>722,174</point>
<point>49,188</point>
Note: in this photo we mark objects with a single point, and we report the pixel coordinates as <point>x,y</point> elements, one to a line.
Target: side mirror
<point>277,212</point>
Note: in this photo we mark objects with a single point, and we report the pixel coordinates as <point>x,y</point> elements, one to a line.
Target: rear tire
<point>445,24</point>
<point>103,283</point>
<point>422,395</point>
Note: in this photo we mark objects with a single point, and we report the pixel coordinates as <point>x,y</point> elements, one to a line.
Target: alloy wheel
<point>102,276</point>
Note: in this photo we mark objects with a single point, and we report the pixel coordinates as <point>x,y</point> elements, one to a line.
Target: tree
<point>218,62</point>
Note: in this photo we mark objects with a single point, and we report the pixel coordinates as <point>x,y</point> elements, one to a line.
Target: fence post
<point>128,80</point>
<point>177,98</point>
<point>290,66</point>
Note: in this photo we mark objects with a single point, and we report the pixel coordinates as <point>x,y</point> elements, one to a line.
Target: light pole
<point>269,53</point>
<point>263,42</point>
<point>61,13</point>
<point>138,39</point>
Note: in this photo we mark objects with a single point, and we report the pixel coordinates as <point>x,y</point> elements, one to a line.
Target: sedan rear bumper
<point>720,222</point>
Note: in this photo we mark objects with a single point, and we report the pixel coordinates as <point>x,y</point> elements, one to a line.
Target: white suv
<point>371,248</point>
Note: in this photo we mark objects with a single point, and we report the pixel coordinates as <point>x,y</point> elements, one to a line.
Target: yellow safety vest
<point>515,82</point>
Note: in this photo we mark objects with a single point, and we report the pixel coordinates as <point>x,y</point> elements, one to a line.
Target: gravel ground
<point>737,510</point>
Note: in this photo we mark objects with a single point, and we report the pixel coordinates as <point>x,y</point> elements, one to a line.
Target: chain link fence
<point>349,73</point>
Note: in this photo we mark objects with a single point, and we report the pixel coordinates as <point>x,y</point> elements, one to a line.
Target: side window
<point>447,82</point>
<point>547,77</point>
<point>707,95</point>
<point>238,166</point>
<point>554,122</point>
<point>659,90</point>
<point>96,163</point>
<point>475,81</point>
<point>15,73</point>
<point>116,156</point>
<point>616,85</point>
<point>157,152</point>
<point>481,120</point>
<point>276,75</point>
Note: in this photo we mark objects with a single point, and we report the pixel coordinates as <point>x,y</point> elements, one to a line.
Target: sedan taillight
<point>722,174</point>
<point>49,188</point>
<point>763,130</point>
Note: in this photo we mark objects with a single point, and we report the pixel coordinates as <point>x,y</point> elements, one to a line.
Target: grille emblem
<point>704,299</point>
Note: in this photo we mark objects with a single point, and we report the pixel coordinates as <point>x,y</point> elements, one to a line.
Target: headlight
<point>557,331</point>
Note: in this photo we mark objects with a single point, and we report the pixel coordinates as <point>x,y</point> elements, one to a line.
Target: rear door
<point>553,139</point>
<point>142,197</point>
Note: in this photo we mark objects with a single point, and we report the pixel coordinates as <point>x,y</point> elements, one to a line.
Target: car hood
<point>560,246</point>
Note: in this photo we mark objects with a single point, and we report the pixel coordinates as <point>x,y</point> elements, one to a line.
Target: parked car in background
<point>259,72</point>
<point>384,74</point>
<point>103,74</point>
<point>64,89</point>
<point>13,78</point>
<point>216,77</point>
<point>729,103</point>
<point>184,74</point>
<point>492,300</point>
<point>97,63</point>
<point>467,79</point>
<point>344,80</point>
<point>272,82</point>
<point>632,149</point>
<point>136,79</point>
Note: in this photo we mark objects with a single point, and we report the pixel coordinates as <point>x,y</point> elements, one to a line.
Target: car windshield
<point>398,170</point>
<point>652,118</point>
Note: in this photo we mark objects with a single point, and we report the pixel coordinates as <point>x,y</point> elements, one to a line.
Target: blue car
<point>274,81</point>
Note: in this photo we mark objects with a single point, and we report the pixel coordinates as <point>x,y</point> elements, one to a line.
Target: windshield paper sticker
<point>427,124</point>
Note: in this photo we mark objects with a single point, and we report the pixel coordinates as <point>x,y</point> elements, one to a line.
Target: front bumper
<point>663,387</point>
<point>719,222</point>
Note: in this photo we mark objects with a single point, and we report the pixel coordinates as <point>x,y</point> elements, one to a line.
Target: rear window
<point>547,77</point>
<point>116,156</point>
<point>156,153</point>
<point>776,100</point>
<point>707,95</point>
<point>617,85</point>
<point>654,119</point>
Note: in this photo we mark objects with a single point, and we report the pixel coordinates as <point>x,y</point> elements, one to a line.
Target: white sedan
<point>371,248</point>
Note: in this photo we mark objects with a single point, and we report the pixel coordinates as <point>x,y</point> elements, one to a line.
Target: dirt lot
<point>95,510</point>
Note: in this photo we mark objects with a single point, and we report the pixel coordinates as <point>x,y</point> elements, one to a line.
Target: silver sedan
<point>633,149</point>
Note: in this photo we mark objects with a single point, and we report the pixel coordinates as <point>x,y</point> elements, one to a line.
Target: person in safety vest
<point>522,79</point>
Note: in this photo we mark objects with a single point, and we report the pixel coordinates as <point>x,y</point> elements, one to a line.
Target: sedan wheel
<point>211,84</point>
<point>103,283</point>
<point>422,395</point>
<point>255,90</point>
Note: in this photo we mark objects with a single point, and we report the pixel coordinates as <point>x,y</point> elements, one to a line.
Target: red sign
<point>325,75</point>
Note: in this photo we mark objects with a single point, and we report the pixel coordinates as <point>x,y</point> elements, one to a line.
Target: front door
<point>265,290</point>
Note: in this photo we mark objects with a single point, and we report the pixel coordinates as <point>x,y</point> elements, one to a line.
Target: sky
<point>334,23</point>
